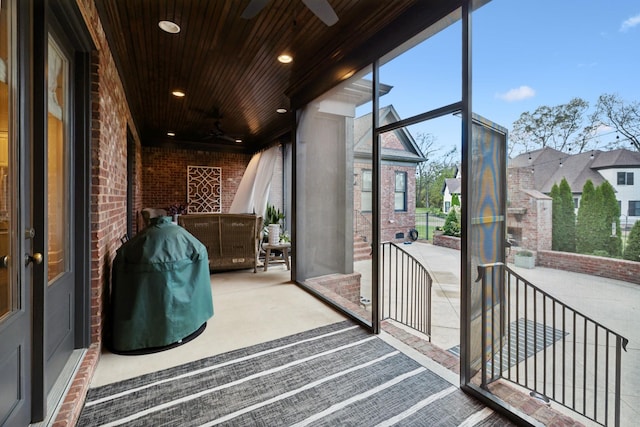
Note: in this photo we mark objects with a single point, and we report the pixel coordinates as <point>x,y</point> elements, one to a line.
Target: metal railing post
<point>426,222</point>
<point>618,379</point>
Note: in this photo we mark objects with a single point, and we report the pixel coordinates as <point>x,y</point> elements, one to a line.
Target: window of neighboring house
<point>447,206</point>
<point>366,195</point>
<point>634,208</point>
<point>576,204</point>
<point>625,178</point>
<point>401,191</point>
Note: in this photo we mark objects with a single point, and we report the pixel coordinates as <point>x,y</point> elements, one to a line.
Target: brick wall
<point>611,268</point>
<point>346,286</point>
<point>391,222</point>
<point>529,215</point>
<point>164,174</point>
<point>450,242</point>
<point>617,269</point>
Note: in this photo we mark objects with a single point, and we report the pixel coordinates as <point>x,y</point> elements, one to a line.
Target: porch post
<point>375,273</point>
<point>465,266</point>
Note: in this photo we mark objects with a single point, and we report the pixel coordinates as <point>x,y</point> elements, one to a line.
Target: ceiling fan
<point>321,8</point>
<point>216,132</point>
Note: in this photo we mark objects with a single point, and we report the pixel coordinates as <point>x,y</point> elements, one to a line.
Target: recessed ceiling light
<point>285,58</point>
<point>348,74</point>
<point>169,27</point>
<point>178,93</point>
<point>281,110</point>
<point>171,134</point>
<point>238,140</point>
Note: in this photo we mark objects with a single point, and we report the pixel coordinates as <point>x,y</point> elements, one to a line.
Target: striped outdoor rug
<point>332,376</point>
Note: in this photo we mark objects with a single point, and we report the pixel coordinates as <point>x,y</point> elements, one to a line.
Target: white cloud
<point>630,23</point>
<point>604,129</point>
<point>517,94</point>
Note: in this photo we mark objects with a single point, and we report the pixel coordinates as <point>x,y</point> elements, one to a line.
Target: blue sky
<point>525,54</point>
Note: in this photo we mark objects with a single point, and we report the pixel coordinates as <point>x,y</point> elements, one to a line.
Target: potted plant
<point>524,259</point>
<point>272,224</point>
<point>176,210</point>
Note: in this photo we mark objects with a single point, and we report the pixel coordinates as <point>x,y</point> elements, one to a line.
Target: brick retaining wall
<point>611,268</point>
<point>446,241</point>
<point>346,286</point>
<point>617,269</point>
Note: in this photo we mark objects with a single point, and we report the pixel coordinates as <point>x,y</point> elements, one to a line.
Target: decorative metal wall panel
<point>487,232</point>
<point>204,189</point>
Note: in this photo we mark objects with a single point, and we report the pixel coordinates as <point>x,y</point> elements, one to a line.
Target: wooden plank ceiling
<point>227,65</point>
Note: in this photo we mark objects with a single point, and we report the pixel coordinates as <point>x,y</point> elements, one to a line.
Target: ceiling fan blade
<point>226,138</point>
<point>253,8</point>
<point>323,10</point>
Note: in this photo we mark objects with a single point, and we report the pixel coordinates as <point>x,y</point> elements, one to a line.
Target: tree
<point>426,142</point>
<point>536,127</point>
<point>598,211</point>
<point>559,127</point>
<point>568,217</point>
<point>451,225</point>
<point>556,217</point>
<point>564,218</point>
<point>430,175</point>
<point>632,251</point>
<point>569,119</point>
<point>587,222</point>
<point>611,213</point>
<point>435,195</point>
<point>611,110</point>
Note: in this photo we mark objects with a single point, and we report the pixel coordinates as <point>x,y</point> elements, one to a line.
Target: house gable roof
<point>550,166</point>
<point>453,184</point>
<point>397,145</point>
<point>621,158</point>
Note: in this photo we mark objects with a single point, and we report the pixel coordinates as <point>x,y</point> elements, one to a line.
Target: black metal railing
<point>406,289</point>
<point>426,223</point>
<point>547,347</point>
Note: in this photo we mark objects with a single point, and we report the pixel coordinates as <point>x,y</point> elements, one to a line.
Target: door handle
<point>4,261</point>
<point>36,258</point>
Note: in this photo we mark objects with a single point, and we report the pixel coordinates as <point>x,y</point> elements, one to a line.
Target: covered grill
<point>161,290</point>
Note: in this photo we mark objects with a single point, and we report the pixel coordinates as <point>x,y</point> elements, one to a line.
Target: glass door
<point>15,307</point>
<point>7,290</point>
<point>59,299</point>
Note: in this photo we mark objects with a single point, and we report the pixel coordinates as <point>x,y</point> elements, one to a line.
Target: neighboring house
<point>451,186</point>
<point>400,156</point>
<point>621,168</point>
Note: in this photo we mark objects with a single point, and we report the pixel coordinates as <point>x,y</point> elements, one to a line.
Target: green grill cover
<point>161,290</point>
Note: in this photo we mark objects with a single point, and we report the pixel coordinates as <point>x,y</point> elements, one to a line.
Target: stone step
<point>362,254</point>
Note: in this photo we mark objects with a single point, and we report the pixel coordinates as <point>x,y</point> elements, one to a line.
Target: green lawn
<point>421,224</point>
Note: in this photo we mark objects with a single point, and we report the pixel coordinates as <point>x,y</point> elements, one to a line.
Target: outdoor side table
<point>270,257</point>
